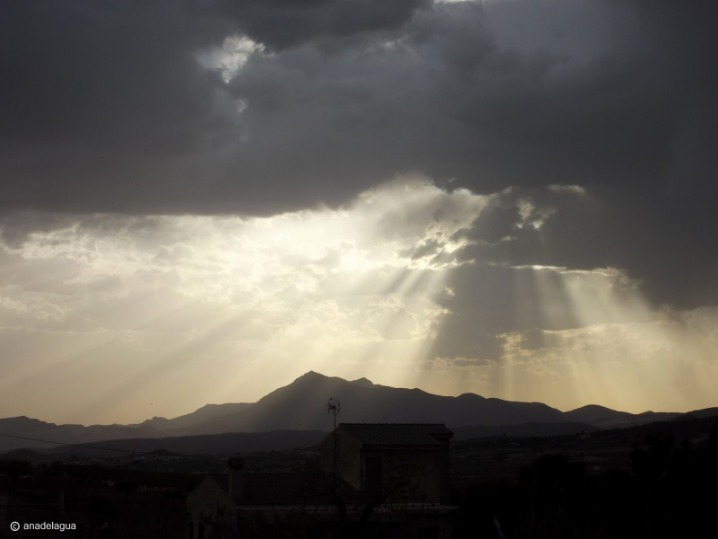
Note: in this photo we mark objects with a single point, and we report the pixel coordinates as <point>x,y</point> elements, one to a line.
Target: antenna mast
<point>333,408</point>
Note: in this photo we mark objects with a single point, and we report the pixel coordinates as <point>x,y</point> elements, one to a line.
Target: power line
<point>67,444</point>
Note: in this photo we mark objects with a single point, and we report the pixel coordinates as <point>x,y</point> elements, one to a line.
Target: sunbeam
<point>208,308</point>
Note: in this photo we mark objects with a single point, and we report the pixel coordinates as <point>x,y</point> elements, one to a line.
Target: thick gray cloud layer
<point>280,24</point>
<point>105,107</point>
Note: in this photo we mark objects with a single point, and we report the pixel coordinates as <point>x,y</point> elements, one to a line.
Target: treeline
<point>100,501</point>
<point>667,491</point>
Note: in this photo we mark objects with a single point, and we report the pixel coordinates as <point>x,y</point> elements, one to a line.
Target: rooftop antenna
<point>334,407</point>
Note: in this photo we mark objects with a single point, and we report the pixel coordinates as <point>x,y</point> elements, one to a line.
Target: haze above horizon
<point>202,202</point>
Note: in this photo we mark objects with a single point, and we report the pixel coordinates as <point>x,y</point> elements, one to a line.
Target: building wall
<point>408,474</point>
<point>347,456</point>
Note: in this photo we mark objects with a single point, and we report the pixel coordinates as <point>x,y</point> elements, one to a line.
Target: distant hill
<point>208,413</point>
<point>685,426</point>
<point>208,444</point>
<point>605,418</point>
<point>301,406</point>
<point>594,413</point>
<point>523,430</point>
<point>24,432</point>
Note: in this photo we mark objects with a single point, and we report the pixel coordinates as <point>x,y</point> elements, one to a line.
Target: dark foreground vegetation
<point>651,482</point>
<point>647,482</point>
<point>99,501</point>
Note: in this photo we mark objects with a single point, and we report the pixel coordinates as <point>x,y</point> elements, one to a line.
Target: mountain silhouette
<point>302,405</point>
<point>605,418</point>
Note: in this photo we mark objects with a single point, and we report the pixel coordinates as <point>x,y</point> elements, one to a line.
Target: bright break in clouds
<point>208,198</point>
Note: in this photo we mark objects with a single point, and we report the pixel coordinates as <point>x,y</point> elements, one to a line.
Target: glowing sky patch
<point>155,298</point>
<point>117,309</point>
<point>195,205</point>
<point>231,57</point>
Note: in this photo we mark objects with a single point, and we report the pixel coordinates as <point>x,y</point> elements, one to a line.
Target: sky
<point>201,200</point>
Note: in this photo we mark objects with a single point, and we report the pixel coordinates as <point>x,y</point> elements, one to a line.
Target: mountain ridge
<point>302,405</point>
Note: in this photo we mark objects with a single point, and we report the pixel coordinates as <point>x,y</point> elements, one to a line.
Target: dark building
<point>385,480</point>
<point>391,462</point>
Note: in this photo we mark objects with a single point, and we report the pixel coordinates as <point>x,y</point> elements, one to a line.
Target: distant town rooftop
<point>397,433</point>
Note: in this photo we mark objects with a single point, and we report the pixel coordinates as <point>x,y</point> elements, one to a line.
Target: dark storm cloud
<point>280,24</point>
<point>95,95</point>
<point>105,108</point>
